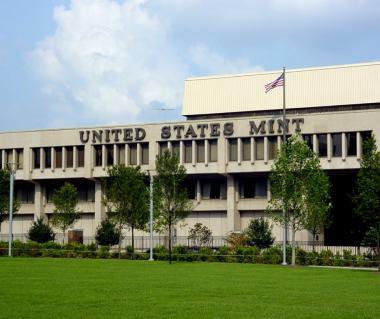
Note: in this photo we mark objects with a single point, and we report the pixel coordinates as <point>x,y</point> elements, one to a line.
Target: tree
<point>107,234</point>
<point>4,196</point>
<point>367,197</point>
<point>126,197</point>
<point>65,200</point>
<point>318,204</point>
<point>200,235</point>
<point>41,232</point>
<point>295,179</point>
<point>171,199</point>
<point>259,233</point>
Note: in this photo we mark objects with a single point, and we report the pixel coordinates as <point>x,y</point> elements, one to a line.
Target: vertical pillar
<point>315,143</point>
<point>266,150</point>
<point>38,201</point>
<point>358,145</point>
<point>233,217</point>
<point>104,157</point>
<point>138,154</point>
<point>75,158</point>
<point>2,164</point>
<point>42,159</point>
<point>199,194</point>
<point>239,151</point>
<point>116,160</point>
<point>344,146</point>
<point>52,151</point>
<point>99,208</point>
<point>181,152</point>
<point>329,147</point>
<point>253,150</point>
<point>207,146</point>
<point>64,161</point>
<point>194,152</point>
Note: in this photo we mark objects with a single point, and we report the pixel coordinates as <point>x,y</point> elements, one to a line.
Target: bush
<point>259,233</point>
<point>272,255</point>
<point>41,232</point>
<point>200,235</point>
<point>107,234</point>
<point>237,239</point>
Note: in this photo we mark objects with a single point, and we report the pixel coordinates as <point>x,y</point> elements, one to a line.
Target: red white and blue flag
<point>278,82</point>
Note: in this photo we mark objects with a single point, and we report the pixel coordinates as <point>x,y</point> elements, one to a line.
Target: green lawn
<point>86,288</point>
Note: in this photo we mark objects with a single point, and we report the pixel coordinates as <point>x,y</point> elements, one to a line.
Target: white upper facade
<point>312,87</point>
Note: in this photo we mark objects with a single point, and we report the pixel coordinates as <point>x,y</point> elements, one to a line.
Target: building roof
<point>311,87</point>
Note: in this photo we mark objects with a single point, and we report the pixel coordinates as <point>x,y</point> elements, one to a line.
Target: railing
<point>142,243</point>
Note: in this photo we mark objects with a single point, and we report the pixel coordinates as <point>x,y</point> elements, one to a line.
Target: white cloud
<point>112,60</point>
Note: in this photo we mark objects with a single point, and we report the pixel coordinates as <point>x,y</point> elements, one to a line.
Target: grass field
<point>85,288</point>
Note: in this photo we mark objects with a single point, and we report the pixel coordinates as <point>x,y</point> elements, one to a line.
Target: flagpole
<point>284,126</point>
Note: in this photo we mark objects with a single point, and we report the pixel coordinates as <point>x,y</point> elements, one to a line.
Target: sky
<point>74,63</point>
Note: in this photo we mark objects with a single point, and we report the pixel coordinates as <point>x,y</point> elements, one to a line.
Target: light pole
<point>11,182</point>
<point>151,215</point>
<point>284,128</point>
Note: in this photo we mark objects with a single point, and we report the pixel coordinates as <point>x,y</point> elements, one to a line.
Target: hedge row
<point>271,255</point>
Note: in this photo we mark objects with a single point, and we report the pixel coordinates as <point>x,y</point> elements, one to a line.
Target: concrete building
<point>227,144</point>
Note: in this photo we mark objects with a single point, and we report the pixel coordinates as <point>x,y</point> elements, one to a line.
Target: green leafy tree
<point>318,204</point>
<point>4,196</point>
<point>171,199</point>
<point>259,233</point>
<point>107,234</point>
<point>127,198</point>
<point>200,235</point>
<point>41,232</point>
<point>367,197</point>
<point>292,179</point>
<point>65,214</point>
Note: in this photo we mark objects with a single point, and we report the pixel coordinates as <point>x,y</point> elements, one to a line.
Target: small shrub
<point>272,255</point>
<point>237,239</point>
<point>301,256</point>
<point>200,235</point>
<point>259,233</point>
<point>326,257</point>
<point>40,232</point>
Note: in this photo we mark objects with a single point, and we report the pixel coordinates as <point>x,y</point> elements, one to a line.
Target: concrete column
<point>181,152</point>
<point>253,150</point>
<point>52,159</point>
<point>42,159</point>
<point>2,159</point>
<point>115,155</point>
<point>315,143</point>
<point>99,208</point>
<point>233,216</point>
<point>64,161</point>
<point>75,158</point>
<point>138,154</point>
<point>194,152</point>
<point>329,147</point>
<point>344,146</point>
<point>207,146</point>
<point>127,155</point>
<point>239,151</point>
<point>38,202</point>
<point>359,149</point>
<point>104,157</point>
<point>265,150</point>
<point>199,194</point>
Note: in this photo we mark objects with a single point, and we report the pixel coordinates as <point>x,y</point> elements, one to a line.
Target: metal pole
<point>151,216</point>
<point>10,235</point>
<point>284,125</point>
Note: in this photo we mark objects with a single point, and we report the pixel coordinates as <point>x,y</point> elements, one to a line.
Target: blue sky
<point>69,63</point>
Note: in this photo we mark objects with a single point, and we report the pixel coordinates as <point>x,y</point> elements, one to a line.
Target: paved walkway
<point>349,268</point>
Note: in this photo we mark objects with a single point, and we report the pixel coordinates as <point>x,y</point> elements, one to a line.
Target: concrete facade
<point>227,155</point>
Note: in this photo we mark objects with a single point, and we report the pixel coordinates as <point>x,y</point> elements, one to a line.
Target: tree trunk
<point>64,235</point>
<point>133,242</point>
<point>119,246</point>
<point>314,235</point>
<point>378,254</point>
<point>293,246</point>
<point>170,242</point>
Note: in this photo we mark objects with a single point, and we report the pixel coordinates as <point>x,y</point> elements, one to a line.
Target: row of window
<point>127,154</point>
<point>12,156</point>
<point>217,188</point>
<point>254,148</point>
<point>200,150</point>
<point>209,189</point>
<point>58,157</point>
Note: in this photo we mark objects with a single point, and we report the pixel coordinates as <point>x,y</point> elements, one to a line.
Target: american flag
<point>278,82</point>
